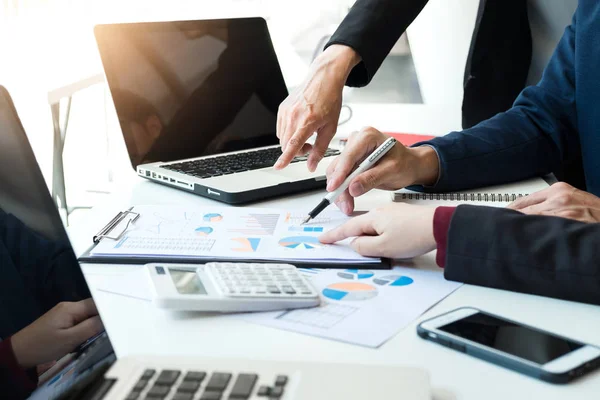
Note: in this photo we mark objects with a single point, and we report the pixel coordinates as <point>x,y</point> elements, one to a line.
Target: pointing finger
<point>357,226</point>
<point>293,146</point>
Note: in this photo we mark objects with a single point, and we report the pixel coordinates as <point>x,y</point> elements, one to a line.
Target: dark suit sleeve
<point>371,28</point>
<point>504,249</point>
<point>535,137</point>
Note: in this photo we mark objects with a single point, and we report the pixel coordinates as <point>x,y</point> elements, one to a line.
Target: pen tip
<point>305,220</point>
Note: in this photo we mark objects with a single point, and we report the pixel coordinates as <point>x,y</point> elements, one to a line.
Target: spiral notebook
<point>493,196</point>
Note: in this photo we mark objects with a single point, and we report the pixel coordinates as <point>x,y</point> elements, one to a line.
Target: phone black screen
<point>508,337</point>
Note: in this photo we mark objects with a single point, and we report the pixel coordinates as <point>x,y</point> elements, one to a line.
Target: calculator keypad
<point>259,280</point>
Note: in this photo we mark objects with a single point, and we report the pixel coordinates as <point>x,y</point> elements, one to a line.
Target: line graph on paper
<point>325,317</point>
<point>176,224</point>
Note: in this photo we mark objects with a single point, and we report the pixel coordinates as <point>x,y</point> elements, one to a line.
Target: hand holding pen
<point>397,168</point>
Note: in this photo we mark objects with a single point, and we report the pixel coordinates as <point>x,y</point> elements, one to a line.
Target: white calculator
<point>230,287</point>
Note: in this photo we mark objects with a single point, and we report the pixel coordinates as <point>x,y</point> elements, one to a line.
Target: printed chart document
<point>360,306</point>
<point>166,232</point>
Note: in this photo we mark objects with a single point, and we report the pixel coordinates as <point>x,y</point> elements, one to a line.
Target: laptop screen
<point>47,315</point>
<point>192,88</point>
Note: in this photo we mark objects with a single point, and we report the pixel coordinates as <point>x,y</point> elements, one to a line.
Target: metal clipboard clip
<point>106,231</point>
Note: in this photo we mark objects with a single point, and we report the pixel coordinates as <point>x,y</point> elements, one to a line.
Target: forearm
<point>540,255</point>
<point>506,148</point>
<point>338,60</point>
<point>534,137</point>
<point>372,28</point>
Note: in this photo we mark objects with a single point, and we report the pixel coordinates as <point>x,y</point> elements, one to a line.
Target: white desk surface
<point>136,327</point>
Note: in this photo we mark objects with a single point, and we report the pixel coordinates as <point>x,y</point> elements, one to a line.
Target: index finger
<point>357,226</point>
<point>293,146</point>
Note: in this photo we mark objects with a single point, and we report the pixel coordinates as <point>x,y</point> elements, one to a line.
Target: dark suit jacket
<point>36,275</point>
<point>550,124</point>
<point>498,61</point>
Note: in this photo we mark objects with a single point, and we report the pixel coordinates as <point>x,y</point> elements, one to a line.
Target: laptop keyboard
<point>232,163</point>
<point>200,385</point>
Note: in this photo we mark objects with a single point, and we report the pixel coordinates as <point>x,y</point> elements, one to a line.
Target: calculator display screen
<point>186,281</point>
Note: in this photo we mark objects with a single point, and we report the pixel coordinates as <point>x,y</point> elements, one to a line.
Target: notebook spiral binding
<point>483,197</point>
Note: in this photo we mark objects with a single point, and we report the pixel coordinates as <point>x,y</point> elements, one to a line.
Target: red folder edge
<point>408,139</point>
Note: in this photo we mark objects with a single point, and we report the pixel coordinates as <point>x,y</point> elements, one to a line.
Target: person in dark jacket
<point>547,243</point>
<point>497,67</point>
<point>45,305</point>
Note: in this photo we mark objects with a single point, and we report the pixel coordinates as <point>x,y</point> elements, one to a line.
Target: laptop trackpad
<point>299,171</point>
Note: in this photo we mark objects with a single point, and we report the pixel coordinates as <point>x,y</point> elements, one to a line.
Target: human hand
<point>560,200</point>
<point>394,231</point>
<point>56,333</point>
<point>400,167</point>
<point>315,107</point>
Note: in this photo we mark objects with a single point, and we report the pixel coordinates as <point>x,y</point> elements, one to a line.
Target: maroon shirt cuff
<point>22,381</point>
<point>441,225</point>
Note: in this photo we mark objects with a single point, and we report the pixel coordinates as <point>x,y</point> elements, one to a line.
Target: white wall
<point>439,40</point>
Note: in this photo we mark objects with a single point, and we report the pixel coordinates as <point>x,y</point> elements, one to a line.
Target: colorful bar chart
<point>257,224</point>
<point>305,229</point>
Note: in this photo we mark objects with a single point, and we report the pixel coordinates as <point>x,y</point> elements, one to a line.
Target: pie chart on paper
<point>355,274</point>
<point>393,280</point>
<point>203,230</point>
<point>301,242</point>
<point>350,291</point>
<point>212,217</point>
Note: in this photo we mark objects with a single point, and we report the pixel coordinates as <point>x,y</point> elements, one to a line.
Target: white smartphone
<point>512,345</point>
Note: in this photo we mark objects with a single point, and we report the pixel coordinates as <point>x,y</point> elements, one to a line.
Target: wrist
<point>427,163</point>
<point>340,58</point>
<point>20,351</point>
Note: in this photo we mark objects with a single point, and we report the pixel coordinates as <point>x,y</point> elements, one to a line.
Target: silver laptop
<point>197,103</point>
<point>91,370</point>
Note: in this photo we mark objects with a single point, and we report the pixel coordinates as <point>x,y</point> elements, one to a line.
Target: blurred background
<point>49,55</point>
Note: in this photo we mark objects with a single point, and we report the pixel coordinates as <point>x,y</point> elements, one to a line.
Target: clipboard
<point>116,228</point>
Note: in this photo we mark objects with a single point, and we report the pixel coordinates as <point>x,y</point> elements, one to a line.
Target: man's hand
<point>315,107</point>
<point>561,200</point>
<point>395,231</point>
<point>56,333</point>
<point>400,167</point>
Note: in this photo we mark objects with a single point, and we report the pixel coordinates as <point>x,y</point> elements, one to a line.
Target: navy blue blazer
<point>554,123</point>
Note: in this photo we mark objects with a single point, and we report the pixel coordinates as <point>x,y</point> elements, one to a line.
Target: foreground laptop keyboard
<point>232,163</point>
<point>200,385</point>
